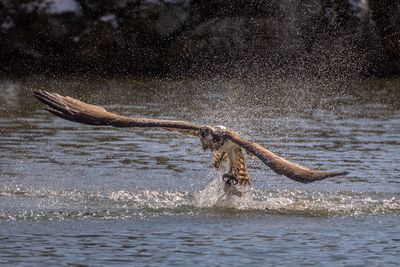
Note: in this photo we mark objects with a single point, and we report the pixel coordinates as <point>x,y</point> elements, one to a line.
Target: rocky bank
<point>314,37</point>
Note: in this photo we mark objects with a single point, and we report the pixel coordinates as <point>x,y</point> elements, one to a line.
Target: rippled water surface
<point>78,194</point>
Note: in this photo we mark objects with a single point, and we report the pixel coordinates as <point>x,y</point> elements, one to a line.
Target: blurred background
<point>314,37</point>
<point>315,81</point>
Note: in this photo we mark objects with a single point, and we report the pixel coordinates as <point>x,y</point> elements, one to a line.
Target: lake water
<point>73,194</point>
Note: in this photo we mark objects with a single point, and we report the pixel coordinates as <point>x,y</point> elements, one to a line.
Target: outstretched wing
<point>280,165</point>
<point>74,110</point>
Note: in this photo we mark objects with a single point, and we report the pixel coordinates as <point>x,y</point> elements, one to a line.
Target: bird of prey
<point>226,145</point>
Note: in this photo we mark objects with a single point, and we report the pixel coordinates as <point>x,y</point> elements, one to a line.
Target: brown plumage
<point>218,158</point>
<point>240,166</point>
<point>280,165</point>
<point>226,144</point>
<point>74,110</point>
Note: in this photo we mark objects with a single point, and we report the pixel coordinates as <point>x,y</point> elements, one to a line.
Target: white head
<point>212,137</point>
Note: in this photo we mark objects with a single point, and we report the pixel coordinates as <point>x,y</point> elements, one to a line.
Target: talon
<point>230,179</point>
<point>244,182</point>
<point>226,177</point>
<point>234,181</point>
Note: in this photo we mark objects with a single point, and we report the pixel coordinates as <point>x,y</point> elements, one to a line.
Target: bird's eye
<point>204,133</point>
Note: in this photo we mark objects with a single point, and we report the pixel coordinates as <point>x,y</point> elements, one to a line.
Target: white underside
<point>228,149</point>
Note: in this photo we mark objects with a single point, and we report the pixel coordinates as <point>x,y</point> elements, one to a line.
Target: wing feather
<point>240,166</point>
<point>74,110</point>
<point>280,165</point>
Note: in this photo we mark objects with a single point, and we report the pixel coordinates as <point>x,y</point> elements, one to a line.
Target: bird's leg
<point>229,187</point>
<point>218,158</point>
<point>240,167</point>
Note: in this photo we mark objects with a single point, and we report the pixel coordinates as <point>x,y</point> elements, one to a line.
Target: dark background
<point>278,37</point>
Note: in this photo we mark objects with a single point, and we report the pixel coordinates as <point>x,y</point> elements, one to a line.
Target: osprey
<point>227,146</point>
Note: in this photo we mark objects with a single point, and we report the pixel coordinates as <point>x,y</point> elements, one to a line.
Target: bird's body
<point>227,146</point>
<point>225,151</point>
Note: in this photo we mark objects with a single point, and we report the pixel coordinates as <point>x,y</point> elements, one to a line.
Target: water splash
<point>20,203</point>
<point>217,194</point>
